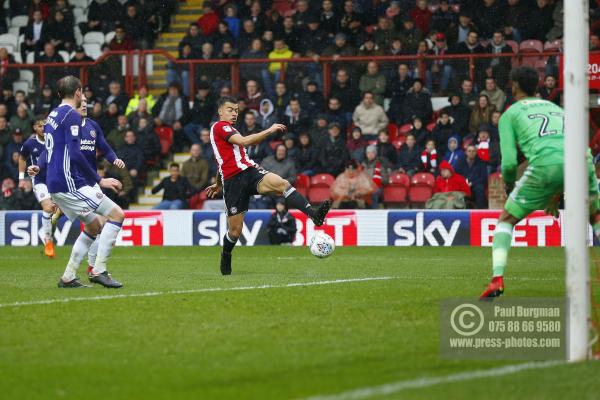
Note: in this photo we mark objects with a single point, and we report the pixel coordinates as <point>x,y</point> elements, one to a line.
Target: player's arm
<point>105,148</point>
<point>508,149</point>
<point>23,154</point>
<point>250,140</point>
<point>35,170</point>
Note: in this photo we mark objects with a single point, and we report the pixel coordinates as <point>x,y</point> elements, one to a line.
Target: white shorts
<point>84,203</point>
<point>40,191</point>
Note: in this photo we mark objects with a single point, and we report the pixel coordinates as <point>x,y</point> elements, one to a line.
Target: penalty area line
<point>192,291</point>
<point>425,382</point>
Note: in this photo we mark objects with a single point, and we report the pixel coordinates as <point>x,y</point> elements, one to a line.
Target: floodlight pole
<point>576,33</point>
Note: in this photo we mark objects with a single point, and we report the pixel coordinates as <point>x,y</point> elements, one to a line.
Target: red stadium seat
<point>274,144</point>
<point>418,195</point>
<point>197,201</point>
<point>399,179</point>
<point>430,126</point>
<point>404,129</point>
<point>322,180</point>
<point>514,45</point>
<point>392,131</point>
<point>422,178</point>
<point>395,195</point>
<point>319,188</point>
<point>165,136</point>
<point>531,46</point>
<point>398,142</point>
<point>302,184</point>
<point>554,45</point>
<point>283,6</point>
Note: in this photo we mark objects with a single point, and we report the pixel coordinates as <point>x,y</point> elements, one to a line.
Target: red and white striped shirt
<point>232,159</point>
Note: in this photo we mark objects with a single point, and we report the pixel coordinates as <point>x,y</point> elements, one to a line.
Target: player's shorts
<point>238,189</point>
<point>40,190</point>
<point>539,185</point>
<point>84,203</point>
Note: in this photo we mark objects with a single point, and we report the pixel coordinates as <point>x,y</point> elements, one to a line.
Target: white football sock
<point>93,251</point>
<point>80,249</point>
<point>108,237</point>
<point>46,226</point>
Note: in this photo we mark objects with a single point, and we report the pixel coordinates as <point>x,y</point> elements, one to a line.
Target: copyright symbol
<point>466,319</point>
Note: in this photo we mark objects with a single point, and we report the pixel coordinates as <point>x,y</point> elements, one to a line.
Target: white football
<point>321,245</point>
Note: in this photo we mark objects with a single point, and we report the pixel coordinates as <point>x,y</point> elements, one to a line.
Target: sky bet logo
<point>25,229</point>
<point>431,228</point>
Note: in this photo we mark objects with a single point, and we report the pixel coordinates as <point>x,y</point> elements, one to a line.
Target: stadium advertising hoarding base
<point>347,227</point>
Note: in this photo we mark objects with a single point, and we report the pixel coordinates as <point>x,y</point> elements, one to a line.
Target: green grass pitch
<point>275,342</point>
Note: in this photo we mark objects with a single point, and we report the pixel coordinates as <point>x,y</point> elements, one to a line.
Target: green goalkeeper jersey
<point>536,126</point>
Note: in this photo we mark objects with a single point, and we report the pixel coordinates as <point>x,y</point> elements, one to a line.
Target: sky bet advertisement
<point>347,227</point>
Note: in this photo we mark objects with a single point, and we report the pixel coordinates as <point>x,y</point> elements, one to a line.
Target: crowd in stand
<point>346,134</point>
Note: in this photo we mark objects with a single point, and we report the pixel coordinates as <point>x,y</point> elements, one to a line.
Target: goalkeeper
<point>536,127</point>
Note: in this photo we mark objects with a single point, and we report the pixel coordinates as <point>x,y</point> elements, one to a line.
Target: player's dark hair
<point>174,165</point>
<point>67,86</point>
<point>225,99</point>
<point>527,78</point>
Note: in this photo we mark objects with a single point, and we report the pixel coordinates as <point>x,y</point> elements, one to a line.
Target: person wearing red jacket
<point>209,21</point>
<point>450,181</point>
<point>422,16</point>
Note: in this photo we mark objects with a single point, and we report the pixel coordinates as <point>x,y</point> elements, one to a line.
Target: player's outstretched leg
<point>235,224</point>
<point>80,249</point>
<point>47,227</point>
<point>107,240</point>
<point>500,247</point>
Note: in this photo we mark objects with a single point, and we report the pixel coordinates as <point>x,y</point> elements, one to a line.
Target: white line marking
<point>425,382</point>
<point>189,291</point>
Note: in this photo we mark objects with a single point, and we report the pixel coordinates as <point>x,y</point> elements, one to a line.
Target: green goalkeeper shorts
<point>540,185</point>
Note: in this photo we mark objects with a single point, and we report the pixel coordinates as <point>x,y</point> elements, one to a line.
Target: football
<point>321,245</point>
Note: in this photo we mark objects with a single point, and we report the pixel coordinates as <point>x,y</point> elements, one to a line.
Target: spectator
<point>280,164</point>
<point>132,155</point>
<point>208,153</point>
<point>5,136</point>
<point>487,150</point>
<point>289,141</point>
<point>25,197</point>
<point>454,154</point>
<point>232,20</point>
<point>379,171</point>
<point>247,37</point>
<point>142,94</point>
<point>350,21</point>
<point>352,188</point>
<point>258,152</point>
<point>319,129</point>
<point>109,119</point>
<point>221,36</point>
<point>343,89</point>
<point>450,181</point>
<point>496,96</point>
<point>312,99</point>
<point>116,136</point>
<point>266,114</point>
<point>339,48</point>
<point>280,51</point>
<point>195,169</point>
<point>7,75</point>
<point>296,118</point>
<point>80,56</point>
<point>22,120</point>
<point>458,34</point>
<point>257,16</point>
<point>470,46</point>
<point>409,156</point>
<point>515,20</point>
<point>370,117</point>
<point>140,113</point>
<point>148,140</point>
<point>410,36</point>
<point>443,19</point>
<point>282,226</point>
<point>303,13</point>
<point>489,16</point>
<point>356,145</point>
<point>475,171</point>
<point>254,71</point>
<point>124,196</point>
<point>333,154</point>
<point>50,56</point>
<point>194,39</point>
<point>499,67</point>
<point>117,96</point>
<point>253,95</point>
<point>400,84</point>
<point>306,158</point>
<point>549,91</point>
<point>46,102</point>
<point>385,150</point>
<point>209,20</point>
<point>60,32</point>
<point>373,81</point>
<point>171,110</point>
<point>460,114</point>
<point>494,133</point>
<point>289,33</point>
<point>177,190</point>
<point>467,96</point>
<point>481,114</point>
<point>281,99</point>
<point>384,33</point>
<point>540,20</point>
<point>36,35</point>
<point>429,161</point>
<point>122,41</point>
<point>440,70</point>
<point>209,72</point>
<point>201,114</point>
<point>443,130</point>
<point>417,102</point>
<point>370,49</point>
<point>8,199</point>
<point>422,16</point>
<point>313,39</point>
<point>249,126</point>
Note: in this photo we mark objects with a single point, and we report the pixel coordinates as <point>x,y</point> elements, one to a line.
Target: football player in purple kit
<point>68,177</point>
<point>31,150</point>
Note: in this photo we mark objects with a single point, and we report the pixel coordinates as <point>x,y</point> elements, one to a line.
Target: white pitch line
<point>190,291</point>
<point>420,383</point>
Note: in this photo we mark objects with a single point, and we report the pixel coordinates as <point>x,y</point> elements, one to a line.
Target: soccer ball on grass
<point>321,245</point>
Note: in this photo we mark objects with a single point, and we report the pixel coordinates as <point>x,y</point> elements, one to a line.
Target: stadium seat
<point>165,136</point>
<point>64,55</point>
<point>531,46</point>
<point>19,21</point>
<point>398,142</point>
<point>302,184</point>
<point>197,201</point>
<point>21,85</point>
<point>27,76</point>
<point>392,131</point>
<point>9,48</point>
<point>14,30</point>
<point>283,6</point>
<point>30,58</point>
<point>319,188</point>
<point>79,3</point>
<point>109,36</point>
<point>94,37</point>
<point>421,188</point>
<point>92,49</point>
<point>423,178</point>
<point>80,18</point>
<point>554,45</point>
<point>399,179</point>
<point>79,12</point>
<point>404,129</point>
<point>9,39</point>
<point>395,195</point>
<point>274,144</point>
<point>430,126</point>
<point>514,45</point>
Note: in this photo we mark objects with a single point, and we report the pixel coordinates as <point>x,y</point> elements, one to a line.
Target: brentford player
<point>240,178</point>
